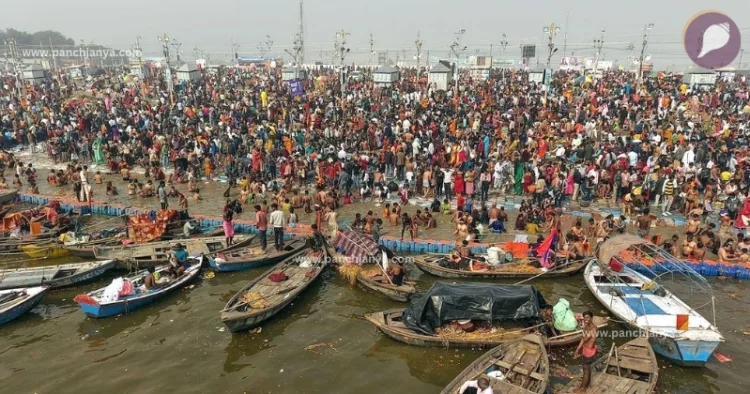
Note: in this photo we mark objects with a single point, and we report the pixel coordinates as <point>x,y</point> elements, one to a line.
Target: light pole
<point>646,29</point>
<point>551,31</point>
<point>504,44</point>
<point>458,49</point>
<point>418,56</point>
<point>598,42</point>
<point>164,39</point>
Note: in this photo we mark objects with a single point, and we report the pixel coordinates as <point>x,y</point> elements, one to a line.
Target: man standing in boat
<point>261,222</point>
<point>587,348</point>
<point>277,221</point>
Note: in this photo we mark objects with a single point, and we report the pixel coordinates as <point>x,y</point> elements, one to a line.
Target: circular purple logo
<point>712,39</point>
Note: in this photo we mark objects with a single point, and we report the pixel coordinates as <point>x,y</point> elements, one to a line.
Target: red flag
<point>543,250</point>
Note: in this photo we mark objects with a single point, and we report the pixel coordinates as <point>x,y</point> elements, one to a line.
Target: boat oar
<point>617,358</point>
<point>609,357</point>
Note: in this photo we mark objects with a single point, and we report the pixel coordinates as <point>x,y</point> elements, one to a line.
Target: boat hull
<point>20,309</point>
<point>250,264</point>
<point>410,338</point>
<point>689,353</point>
<point>128,305</point>
<point>78,278</point>
<point>442,272</point>
<point>8,197</point>
<point>684,353</point>
<point>398,294</point>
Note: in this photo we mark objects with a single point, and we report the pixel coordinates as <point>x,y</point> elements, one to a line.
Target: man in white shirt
<point>276,220</point>
<point>493,255</point>
<point>482,385</point>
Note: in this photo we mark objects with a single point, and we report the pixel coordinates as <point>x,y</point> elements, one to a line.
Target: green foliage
<point>40,37</point>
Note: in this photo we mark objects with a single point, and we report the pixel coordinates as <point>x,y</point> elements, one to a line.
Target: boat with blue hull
<point>675,330</point>
<point>99,304</point>
<point>15,302</point>
<point>252,256</point>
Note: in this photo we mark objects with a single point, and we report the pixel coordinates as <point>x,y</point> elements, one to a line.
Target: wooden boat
<point>85,249</point>
<point>517,367</point>
<point>391,324</point>
<point>379,283</point>
<point>358,246</point>
<point>629,369</point>
<point>252,256</point>
<point>95,303</point>
<point>49,251</point>
<point>4,210</point>
<point>157,253</point>
<point>54,276</point>
<point>8,197</point>
<point>16,302</point>
<point>675,330</point>
<point>430,264</point>
<point>263,298</point>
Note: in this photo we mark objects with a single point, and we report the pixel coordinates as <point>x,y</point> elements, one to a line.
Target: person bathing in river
<point>588,349</point>
<point>396,272</point>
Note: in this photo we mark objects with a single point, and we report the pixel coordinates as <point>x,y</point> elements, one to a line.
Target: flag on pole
<point>545,250</point>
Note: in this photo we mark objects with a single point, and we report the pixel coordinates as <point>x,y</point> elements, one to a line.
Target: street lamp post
<point>504,44</point>
<point>598,43</point>
<point>551,31</point>
<point>646,29</point>
<point>458,49</point>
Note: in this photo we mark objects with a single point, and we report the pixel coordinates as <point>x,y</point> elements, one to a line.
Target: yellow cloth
<point>264,98</point>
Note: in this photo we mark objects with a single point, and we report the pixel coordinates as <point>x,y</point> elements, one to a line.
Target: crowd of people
<point>651,146</point>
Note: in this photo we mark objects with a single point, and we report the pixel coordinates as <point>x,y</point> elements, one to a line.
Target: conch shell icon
<point>715,37</point>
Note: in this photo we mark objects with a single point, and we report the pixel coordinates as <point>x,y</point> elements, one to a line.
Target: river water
<point>320,344</point>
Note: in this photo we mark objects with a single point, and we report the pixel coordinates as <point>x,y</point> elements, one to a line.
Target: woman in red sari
<point>458,184</point>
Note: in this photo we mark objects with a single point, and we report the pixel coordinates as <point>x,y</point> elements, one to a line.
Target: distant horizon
<point>219,28</point>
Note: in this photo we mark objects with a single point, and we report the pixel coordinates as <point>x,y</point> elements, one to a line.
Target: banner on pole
<point>296,87</point>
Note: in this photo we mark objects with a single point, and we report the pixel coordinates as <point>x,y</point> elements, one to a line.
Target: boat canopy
<point>359,247</point>
<point>649,259</point>
<point>446,302</point>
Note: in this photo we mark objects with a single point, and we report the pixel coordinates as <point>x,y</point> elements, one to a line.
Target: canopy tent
<point>358,246</point>
<point>446,302</point>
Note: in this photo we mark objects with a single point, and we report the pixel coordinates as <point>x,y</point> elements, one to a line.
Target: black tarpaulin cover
<point>445,302</point>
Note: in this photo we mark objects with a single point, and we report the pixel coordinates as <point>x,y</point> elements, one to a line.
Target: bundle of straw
<point>350,272</point>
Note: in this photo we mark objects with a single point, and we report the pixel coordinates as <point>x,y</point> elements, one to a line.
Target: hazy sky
<point>212,25</point>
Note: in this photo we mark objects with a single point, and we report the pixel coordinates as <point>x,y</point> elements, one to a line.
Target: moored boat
<point>157,253</point>
<point>627,369</point>
<point>431,264</point>
<point>520,366</point>
<point>252,256</point>
<point>366,262</point>
<point>8,197</point>
<point>390,323</point>
<point>42,251</point>
<point>16,302</point>
<point>471,315</point>
<point>106,302</point>
<point>271,292</point>
<point>676,331</point>
<point>54,276</point>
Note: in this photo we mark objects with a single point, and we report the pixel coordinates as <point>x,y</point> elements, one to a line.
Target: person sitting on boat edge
<point>479,386</point>
<point>547,323</point>
<point>494,255</point>
<point>149,281</point>
<point>588,349</point>
<point>318,239</point>
<point>178,260</point>
<point>396,272</point>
